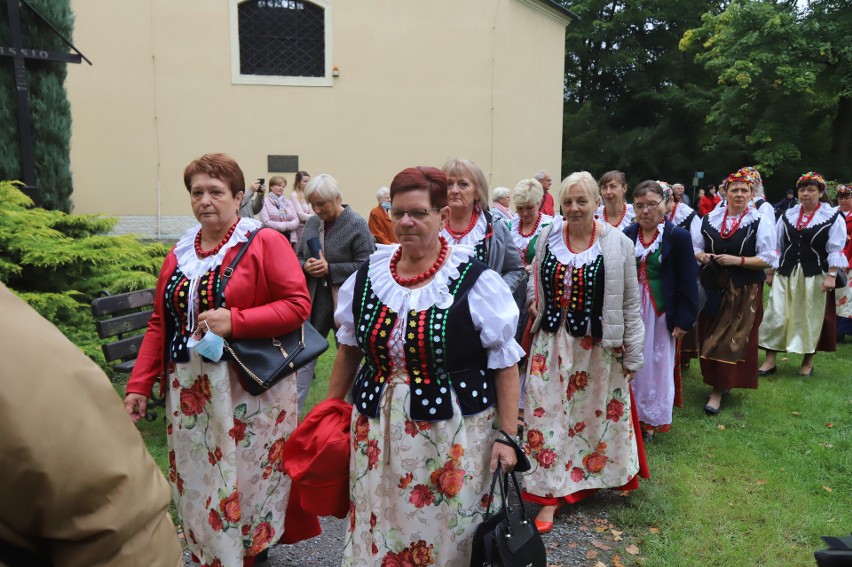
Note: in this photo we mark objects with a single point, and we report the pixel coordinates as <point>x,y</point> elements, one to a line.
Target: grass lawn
<point>756,485</point>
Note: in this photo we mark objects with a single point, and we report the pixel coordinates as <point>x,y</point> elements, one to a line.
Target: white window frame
<point>239,79</point>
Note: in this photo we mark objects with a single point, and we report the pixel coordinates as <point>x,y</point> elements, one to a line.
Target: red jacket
<point>267,296</point>
<point>707,204</point>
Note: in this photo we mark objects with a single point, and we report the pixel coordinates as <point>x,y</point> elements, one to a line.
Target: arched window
<point>281,42</point>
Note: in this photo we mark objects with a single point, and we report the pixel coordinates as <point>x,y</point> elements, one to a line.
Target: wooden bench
<point>122,318</point>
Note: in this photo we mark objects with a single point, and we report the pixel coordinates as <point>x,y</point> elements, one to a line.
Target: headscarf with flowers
<point>812,177</point>
<point>844,190</point>
<point>740,176</point>
<point>754,174</point>
<point>668,192</point>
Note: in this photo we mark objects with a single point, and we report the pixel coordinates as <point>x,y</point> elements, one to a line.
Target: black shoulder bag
<point>508,538</point>
<point>262,363</point>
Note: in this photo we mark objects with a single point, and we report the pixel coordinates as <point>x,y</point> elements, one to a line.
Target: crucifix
<point>19,55</point>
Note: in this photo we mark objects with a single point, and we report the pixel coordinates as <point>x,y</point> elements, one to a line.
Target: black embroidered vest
<point>579,309</point>
<point>685,223</point>
<point>805,247</point>
<point>442,352</point>
<point>742,243</point>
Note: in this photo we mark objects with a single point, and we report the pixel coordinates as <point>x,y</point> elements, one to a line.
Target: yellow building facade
<point>395,83</point>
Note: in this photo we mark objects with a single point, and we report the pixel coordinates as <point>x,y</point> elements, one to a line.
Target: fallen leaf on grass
<point>721,427</point>
<point>831,520</point>
<point>796,413</point>
<point>826,488</point>
<point>632,549</point>
<point>572,545</point>
<point>591,554</point>
<point>601,546</point>
<point>655,530</point>
<point>761,482</point>
<point>616,561</point>
<point>600,529</point>
<point>827,445</point>
<point>599,564</point>
<point>784,359</point>
<point>829,425</point>
<point>616,533</point>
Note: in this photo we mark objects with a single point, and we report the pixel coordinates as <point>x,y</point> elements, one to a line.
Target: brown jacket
<point>77,486</point>
<point>381,226</point>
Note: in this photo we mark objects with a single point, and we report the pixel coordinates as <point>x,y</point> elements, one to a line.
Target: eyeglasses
<point>414,214</point>
<point>649,206</point>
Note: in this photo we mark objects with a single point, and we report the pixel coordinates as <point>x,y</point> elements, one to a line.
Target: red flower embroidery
<point>410,428</point>
<point>215,520</point>
<point>614,410</point>
<point>373,453</point>
<point>421,554</point>
<point>546,458</point>
<point>406,480</point>
<point>587,342</point>
<point>191,401</point>
<point>211,457</point>
<point>595,462</point>
<point>238,431</point>
<point>535,439</point>
<point>246,529</point>
<point>579,426</point>
<point>598,413</point>
<point>281,417</point>
<point>362,428</point>
<point>202,386</point>
<point>261,538</point>
<point>456,453</point>
<point>448,480</point>
<point>538,412</point>
<point>538,365</point>
<point>421,496</point>
<point>577,474</point>
<point>276,452</point>
<point>372,521</point>
<point>230,508</point>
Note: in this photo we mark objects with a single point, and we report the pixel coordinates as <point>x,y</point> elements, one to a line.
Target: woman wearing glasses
<point>436,399</point>
<point>737,243</point>
<point>668,282</point>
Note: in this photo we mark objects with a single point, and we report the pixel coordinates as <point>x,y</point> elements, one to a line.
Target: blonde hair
<point>586,182</point>
<point>527,192</point>
<point>277,180</point>
<point>456,167</point>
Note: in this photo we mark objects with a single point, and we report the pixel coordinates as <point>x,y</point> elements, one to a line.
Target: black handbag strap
<point>229,271</point>
<point>504,491</point>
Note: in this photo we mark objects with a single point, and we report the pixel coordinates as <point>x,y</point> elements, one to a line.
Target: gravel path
<point>582,536</point>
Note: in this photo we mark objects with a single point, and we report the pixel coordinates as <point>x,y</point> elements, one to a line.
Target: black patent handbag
<point>508,538</point>
<point>262,363</point>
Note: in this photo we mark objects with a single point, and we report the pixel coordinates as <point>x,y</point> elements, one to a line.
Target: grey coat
<point>347,245</point>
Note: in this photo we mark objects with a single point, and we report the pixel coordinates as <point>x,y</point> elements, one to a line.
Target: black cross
<point>19,55</point>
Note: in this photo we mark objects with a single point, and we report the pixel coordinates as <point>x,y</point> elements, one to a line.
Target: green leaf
<point>240,411</point>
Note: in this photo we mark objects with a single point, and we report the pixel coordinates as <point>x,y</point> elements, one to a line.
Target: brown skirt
<point>728,339</point>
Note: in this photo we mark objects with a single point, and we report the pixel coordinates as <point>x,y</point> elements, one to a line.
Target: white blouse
<point>628,218</point>
<point>521,241</point>
<point>766,250</point>
<point>836,234</point>
<point>472,238</point>
<point>558,248</point>
<point>492,309</point>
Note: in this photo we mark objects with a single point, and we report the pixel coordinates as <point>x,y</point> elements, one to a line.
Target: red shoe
<point>545,527</point>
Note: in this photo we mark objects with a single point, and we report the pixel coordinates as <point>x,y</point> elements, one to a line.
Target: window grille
<point>282,38</point>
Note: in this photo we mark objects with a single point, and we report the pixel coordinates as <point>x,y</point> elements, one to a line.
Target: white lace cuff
<point>770,257</point>
<point>837,260</point>
<point>505,355</point>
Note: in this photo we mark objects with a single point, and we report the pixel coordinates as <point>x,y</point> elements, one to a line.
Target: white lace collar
<point>402,299</point>
<point>626,220</point>
<point>641,251</point>
<point>717,216</point>
<point>822,215</point>
<point>522,241</point>
<point>681,211</point>
<point>194,267</point>
<point>557,246</point>
<point>472,238</point>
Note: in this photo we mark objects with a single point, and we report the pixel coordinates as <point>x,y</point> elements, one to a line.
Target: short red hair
<point>422,178</point>
<point>221,166</point>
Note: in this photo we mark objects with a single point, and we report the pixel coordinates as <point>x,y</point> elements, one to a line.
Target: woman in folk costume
<point>527,224</point>
<point>844,296</point>
<point>436,399</point>
<point>615,210</point>
<point>737,243</point>
<point>800,314</point>
<point>680,214</point>
<point>668,281</point>
<point>582,430</point>
<point>225,445</point>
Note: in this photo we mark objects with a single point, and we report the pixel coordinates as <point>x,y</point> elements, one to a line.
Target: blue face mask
<point>386,205</point>
<point>210,346</point>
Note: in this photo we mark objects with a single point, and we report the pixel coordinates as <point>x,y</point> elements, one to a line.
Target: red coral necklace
<point>568,237</point>
<point>724,231</point>
<point>653,238</point>
<point>207,253</point>
<point>623,212</point>
<point>419,277</point>
<point>531,232</point>
<point>804,220</point>
<point>674,210</point>
<point>459,235</point>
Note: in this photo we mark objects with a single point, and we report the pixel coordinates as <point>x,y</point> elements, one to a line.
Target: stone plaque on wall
<point>282,164</point>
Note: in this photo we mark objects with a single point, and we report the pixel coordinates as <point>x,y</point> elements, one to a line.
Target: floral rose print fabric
<point>225,460</point>
<point>577,414</point>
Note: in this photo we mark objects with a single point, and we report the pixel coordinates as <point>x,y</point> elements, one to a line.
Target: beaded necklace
<point>591,240</point>
<point>804,220</point>
<point>459,235</point>
<point>653,238</point>
<point>207,253</point>
<point>419,277</point>
<point>726,232</point>
<point>623,212</point>
<point>532,231</point>
<point>674,210</point>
